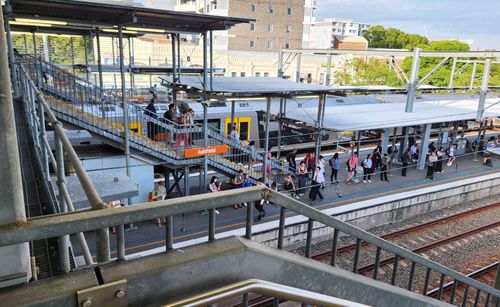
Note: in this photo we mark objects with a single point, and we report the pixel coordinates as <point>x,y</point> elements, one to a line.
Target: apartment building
<point>278,23</point>
<point>323,32</point>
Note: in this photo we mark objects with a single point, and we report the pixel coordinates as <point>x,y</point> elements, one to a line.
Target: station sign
<point>205,151</point>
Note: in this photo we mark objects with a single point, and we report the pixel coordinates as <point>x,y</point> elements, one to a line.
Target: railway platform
<point>148,237</point>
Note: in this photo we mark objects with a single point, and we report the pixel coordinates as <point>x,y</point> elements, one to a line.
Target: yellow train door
<point>243,124</point>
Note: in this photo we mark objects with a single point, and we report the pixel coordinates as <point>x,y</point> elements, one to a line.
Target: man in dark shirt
<point>151,112</point>
<point>290,158</point>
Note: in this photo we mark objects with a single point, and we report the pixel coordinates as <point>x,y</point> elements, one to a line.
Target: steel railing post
<point>63,240</point>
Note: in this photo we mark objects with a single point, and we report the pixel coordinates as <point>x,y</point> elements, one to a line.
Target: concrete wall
<point>375,212</point>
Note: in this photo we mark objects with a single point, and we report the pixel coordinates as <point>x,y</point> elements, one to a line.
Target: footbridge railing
<point>59,225</point>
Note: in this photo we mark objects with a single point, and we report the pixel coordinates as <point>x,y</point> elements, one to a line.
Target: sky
<point>477,20</point>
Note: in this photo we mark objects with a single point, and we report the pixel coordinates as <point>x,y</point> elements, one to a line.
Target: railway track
<point>460,292</point>
<point>351,247</point>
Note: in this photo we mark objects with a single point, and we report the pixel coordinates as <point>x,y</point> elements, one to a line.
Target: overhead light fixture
<point>42,21</point>
<point>146,30</point>
<point>18,23</point>
<point>116,31</point>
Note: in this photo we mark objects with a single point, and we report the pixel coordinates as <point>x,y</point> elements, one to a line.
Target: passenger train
<point>249,117</point>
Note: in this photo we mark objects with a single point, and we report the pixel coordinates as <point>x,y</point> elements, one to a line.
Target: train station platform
<point>149,238</point>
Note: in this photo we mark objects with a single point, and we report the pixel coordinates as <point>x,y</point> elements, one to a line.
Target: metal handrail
<point>265,288</point>
<point>57,225</point>
<point>103,251</point>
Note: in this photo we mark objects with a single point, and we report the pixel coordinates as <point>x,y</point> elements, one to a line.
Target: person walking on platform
<point>406,158</point>
<point>289,186</point>
<point>384,164</point>
<point>302,173</point>
<point>440,156</point>
<point>335,166</point>
<point>290,158</point>
<point>352,164</point>
<point>367,169</point>
<point>321,163</point>
<point>151,113</point>
<point>213,187</point>
<point>376,159</point>
<point>158,193</point>
<point>259,204</point>
<point>310,159</point>
<point>238,182</point>
<point>451,154</point>
<point>318,180</point>
<point>431,160</point>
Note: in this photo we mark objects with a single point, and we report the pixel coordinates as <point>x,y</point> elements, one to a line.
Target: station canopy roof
<point>362,117</point>
<point>251,86</point>
<point>65,15</point>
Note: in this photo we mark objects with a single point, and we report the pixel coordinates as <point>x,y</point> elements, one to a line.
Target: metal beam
<point>81,221</point>
<point>266,145</point>
<point>297,68</point>
<point>473,75</point>
<point>484,90</point>
<point>432,71</point>
<point>412,85</point>
<point>399,53</point>
<point>452,75</point>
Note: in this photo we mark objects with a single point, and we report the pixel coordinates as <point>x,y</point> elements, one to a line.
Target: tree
<point>380,37</point>
<point>369,72</point>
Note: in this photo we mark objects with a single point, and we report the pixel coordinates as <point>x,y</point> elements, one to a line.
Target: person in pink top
<point>352,164</point>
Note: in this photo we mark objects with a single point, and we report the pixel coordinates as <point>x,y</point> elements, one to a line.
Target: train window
<point>215,123</point>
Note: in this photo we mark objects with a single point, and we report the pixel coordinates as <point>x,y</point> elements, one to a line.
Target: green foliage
<point>59,47</point>
<point>370,72</point>
<point>380,37</point>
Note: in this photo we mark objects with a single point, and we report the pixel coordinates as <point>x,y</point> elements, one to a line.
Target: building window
<point>233,74</point>
<point>266,74</point>
<point>242,74</point>
<point>252,44</point>
<point>287,45</point>
<point>288,29</point>
<point>257,74</point>
<point>289,10</point>
<point>270,27</point>
<point>252,7</point>
<point>270,44</point>
<point>271,9</point>
<point>252,26</point>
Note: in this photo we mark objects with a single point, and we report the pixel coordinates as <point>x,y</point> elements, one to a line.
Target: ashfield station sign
<point>205,151</point>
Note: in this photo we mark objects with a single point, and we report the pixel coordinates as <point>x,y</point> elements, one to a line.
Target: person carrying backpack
<point>334,163</point>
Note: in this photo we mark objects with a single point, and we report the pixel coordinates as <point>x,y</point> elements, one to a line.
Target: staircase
<point>81,104</point>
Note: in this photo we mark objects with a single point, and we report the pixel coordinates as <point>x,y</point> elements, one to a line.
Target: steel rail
<point>263,287</point>
<point>396,233</point>
<point>475,274</point>
<point>432,245</point>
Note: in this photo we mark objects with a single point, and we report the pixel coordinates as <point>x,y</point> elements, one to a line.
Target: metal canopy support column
<point>178,37</point>
<point>12,59</point>
<point>297,69</point>
<point>174,72</point>
<point>484,89</point>
<point>425,147</point>
<point>265,175</point>
<point>72,54</point>
<point>205,142</point>
<point>319,126</point>
<point>328,70</point>
<point>211,61</point>
<point>11,185</point>
<point>130,63</point>
<point>232,117</point>
<point>280,64</point>
<point>99,68</point>
<point>205,63</point>
<point>280,127</point>
<point>85,46</point>
<point>471,85</point>
<point>412,85</point>
<point>385,140</point>
<point>35,55</point>
<point>452,75</point>
<point>124,103</point>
